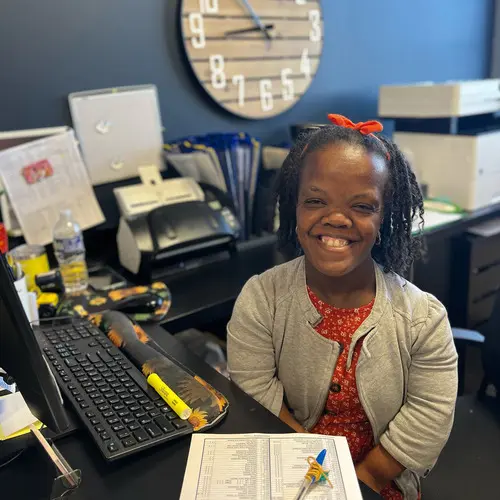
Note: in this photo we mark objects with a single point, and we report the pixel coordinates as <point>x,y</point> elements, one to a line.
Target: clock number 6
<point>209,6</point>
<point>266,95</point>
<point>217,72</point>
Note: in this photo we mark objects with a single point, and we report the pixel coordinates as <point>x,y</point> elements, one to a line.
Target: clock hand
<point>256,18</point>
<point>249,30</point>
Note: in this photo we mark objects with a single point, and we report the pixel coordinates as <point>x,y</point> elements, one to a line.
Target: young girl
<point>335,341</point>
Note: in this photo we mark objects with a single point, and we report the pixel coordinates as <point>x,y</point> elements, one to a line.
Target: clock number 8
<point>209,6</point>
<point>217,72</point>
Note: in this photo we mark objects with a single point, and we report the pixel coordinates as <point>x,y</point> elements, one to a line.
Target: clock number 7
<point>239,81</point>
<point>209,6</point>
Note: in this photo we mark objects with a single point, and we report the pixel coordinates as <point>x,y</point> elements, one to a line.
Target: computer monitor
<point>22,358</point>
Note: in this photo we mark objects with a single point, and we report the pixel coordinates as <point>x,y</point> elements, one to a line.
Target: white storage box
<point>463,169</point>
<point>439,100</point>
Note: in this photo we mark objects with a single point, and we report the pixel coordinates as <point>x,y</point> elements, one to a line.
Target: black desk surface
<point>156,473</point>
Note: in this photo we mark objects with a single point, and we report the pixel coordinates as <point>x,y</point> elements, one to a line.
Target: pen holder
<point>28,299</point>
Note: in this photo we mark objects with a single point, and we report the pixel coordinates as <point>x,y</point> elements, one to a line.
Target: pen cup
<point>33,260</point>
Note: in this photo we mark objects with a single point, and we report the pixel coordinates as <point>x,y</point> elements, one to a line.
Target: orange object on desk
<point>4,240</point>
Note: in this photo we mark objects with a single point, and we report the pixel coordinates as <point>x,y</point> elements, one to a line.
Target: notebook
<point>266,467</point>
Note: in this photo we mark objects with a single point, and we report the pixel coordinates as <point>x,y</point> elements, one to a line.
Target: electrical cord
<point>11,459</point>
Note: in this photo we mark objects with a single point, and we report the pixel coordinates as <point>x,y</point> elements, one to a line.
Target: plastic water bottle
<point>70,253</point>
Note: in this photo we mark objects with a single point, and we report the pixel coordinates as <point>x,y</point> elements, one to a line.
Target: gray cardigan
<point>406,373</point>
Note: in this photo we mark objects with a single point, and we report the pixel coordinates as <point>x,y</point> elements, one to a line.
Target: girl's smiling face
<point>340,207</point>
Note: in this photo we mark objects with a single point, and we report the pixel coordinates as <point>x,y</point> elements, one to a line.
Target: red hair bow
<point>365,128</point>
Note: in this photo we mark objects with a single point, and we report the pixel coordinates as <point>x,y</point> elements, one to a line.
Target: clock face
<point>255,58</point>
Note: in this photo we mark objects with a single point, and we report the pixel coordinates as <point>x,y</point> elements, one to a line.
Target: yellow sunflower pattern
<point>198,419</point>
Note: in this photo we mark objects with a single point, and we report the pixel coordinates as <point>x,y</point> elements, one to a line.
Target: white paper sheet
<point>14,414</point>
<point>266,467</point>
<point>37,205</point>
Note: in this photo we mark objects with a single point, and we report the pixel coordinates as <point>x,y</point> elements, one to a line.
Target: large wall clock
<point>255,58</point>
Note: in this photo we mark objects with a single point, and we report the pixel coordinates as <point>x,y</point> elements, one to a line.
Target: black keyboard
<point>123,414</point>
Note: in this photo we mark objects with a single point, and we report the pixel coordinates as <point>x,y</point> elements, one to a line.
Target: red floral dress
<point>344,415</point>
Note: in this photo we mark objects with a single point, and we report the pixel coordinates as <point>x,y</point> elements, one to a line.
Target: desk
<point>208,293</point>
<point>156,473</point>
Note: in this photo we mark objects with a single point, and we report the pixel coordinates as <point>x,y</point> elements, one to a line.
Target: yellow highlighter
<point>170,397</point>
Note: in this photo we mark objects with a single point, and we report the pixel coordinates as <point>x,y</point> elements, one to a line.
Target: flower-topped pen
<point>315,474</point>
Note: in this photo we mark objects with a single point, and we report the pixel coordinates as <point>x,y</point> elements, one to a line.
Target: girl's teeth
<point>334,242</point>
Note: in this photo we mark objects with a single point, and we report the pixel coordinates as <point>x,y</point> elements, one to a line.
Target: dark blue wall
<point>49,48</point>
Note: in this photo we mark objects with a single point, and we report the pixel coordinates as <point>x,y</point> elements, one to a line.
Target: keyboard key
<point>128,384</point>
<point>95,395</point>
<point>155,413</point>
<point>140,435</point>
<point>134,426</point>
<point>113,400</point>
<point>145,420</point>
<point>111,378</point>
<point>134,408</point>
<point>84,405</point>
<point>96,378</point>
<point>180,424</point>
<point>100,383</point>
<point>66,379</point>
<point>126,367</point>
<point>115,385</point>
<point>117,427</point>
<point>129,401</point>
<point>112,365</point>
<point>86,384</point>
<point>91,389</point>
<point>109,395</point>
<point>128,420</point>
<point>89,368</point>
<point>99,428</point>
<point>134,390</point>
<point>123,434</point>
<point>108,414</point>
<point>124,396</point>
<point>137,395</point>
<point>130,441</point>
<point>85,335</point>
<point>120,390</point>
<point>152,430</point>
<point>118,407</point>
<point>106,388</point>
<point>71,362</point>
<point>95,421</point>
<point>75,369</point>
<point>105,357</point>
<point>99,365</point>
<point>82,379</point>
<point>139,414</point>
<point>112,447</point>
<point>75,392</point>
<point>78,399</point>
<point>164,424</point>
<point>147,407</point>
<point>93,344</point>
<point>85,364</point>
<point>122,377</point>
<point>92,373</point>
<point>72,387</point>
<point>105,436</point>
<point>115,370</point>
<point>104,407</point>
<point>64,354</point>
<point>89,414</point>
<point>112,420</point>
<point>171,416</point>
<point>123,412</point>
<point>160,404</point>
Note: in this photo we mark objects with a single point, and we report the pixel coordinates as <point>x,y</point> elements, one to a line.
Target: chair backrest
<point>491,347</point>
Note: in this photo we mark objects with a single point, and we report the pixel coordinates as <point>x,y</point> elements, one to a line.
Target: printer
<point>462,167</point>
<point>165,223</point>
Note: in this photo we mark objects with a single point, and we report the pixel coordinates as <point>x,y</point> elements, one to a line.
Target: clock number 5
<point>218,76</point>
<point>209,6</point>
<point>315,18</point>
<point>288,91</point>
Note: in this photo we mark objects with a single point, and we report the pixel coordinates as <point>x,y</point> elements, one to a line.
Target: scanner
<point>165,223</point>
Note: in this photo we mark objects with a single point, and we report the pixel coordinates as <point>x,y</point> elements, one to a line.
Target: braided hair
<point>397,248</point>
